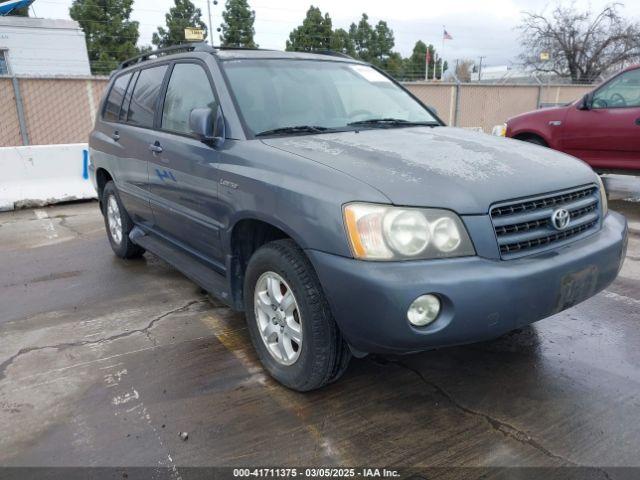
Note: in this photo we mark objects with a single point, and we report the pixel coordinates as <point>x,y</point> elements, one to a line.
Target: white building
<point>512,74</point>
<point>42,47</point>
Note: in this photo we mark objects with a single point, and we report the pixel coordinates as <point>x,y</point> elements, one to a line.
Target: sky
<point>478,27</point>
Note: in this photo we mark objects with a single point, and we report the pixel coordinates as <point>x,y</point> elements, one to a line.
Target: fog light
<point>424,310</point>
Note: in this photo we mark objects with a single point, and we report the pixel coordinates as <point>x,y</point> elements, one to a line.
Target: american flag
<point>446,35</point>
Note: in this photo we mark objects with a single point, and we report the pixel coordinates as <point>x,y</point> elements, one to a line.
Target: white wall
<point>38,46</point>
<point>43,175</point>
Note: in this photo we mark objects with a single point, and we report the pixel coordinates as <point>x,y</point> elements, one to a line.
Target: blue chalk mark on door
<point>165,175</point>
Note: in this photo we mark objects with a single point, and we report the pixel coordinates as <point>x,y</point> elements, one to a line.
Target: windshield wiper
<point>392,122</point>
<point>296,129</point>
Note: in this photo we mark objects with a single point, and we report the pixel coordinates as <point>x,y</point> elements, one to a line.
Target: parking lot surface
<point>103,362</point>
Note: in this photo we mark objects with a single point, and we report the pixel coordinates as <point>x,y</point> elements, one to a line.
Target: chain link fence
<point>482,106</point>
<point>43,111</point>
<point>47,111</point>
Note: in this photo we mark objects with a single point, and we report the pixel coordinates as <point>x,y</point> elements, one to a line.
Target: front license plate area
<point>576,287</point>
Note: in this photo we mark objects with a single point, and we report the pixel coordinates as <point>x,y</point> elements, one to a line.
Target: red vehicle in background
<point>602,128</point>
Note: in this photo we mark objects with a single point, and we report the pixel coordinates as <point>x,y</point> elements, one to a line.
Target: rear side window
<point>188,88</point>
<point>114,100</point>
<point>145,96</point>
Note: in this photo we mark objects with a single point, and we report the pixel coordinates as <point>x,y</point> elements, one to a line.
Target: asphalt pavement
<point>104,362</point>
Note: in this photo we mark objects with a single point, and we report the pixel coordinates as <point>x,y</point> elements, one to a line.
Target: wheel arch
<point>528,135</point>
<point>247,235</point>
<point>102,178</point>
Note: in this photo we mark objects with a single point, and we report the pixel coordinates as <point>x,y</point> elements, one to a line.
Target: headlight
<point>603,197</point>
<point>499,130</point>
<point>381,232</point>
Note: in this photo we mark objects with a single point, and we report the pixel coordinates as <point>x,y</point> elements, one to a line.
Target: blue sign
<point>7,7</point>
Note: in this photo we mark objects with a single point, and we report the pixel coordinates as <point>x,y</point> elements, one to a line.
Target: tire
<point>322,355</point>
<point>118,224</point>
<point>535,141</point>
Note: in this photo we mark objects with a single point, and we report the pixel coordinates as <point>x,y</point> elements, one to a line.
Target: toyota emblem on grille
<point>560,219</point>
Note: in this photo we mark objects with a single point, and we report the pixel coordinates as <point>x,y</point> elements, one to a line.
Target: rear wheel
<point>118,224</point>
<point>289,320</point>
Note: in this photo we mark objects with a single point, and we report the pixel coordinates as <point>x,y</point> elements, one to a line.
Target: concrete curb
<point>43,175</point>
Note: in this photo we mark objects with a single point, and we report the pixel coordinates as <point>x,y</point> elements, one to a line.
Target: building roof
<point>30,22</point>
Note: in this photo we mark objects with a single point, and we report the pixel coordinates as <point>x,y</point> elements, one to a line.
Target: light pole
<point>480,68</point>
<point>215,2</point>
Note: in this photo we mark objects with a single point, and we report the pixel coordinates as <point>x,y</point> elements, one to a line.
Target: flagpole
<point>435,62</point>
<point>444,29</point>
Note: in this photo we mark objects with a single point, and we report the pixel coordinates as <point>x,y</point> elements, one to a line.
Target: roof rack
<point>220,47</point>
<point>205,47</point>
<point>331,53</point>
<point>185,47</point>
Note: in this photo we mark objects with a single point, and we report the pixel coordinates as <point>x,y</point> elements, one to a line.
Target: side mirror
<point>207,125</point>
<point>587,102</point>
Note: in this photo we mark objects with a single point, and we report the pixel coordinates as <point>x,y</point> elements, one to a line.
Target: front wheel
<point>289,319</point>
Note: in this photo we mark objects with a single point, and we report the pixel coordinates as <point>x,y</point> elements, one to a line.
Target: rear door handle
<point>638,121</point>
<point>155,147</point>
<point>116,136</point>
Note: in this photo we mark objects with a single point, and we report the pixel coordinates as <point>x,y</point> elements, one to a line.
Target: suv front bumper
<point>482,298</point>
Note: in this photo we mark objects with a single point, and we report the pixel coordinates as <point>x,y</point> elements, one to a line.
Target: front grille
<point>525,226</point>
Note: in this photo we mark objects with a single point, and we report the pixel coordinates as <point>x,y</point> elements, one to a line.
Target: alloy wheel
<point>278,318</point>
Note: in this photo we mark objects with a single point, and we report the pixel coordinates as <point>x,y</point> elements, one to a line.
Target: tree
<point>315,33</point>
<point>383,42</point>
<point>580,45</point>
<point>19,12</point>
<point>342,42</point>
<point>362,35</point>
<point>110,35</point>
<point>394,65</point>
<point>237,28</point>
<point>184,14</point>
<point>464,68</point>
<point>372,44</point>
<point>416,64</point>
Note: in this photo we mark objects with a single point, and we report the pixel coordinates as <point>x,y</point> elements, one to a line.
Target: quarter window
<point>124,110</point>
<point>114,100</point>
<point>188,88</point>
<point>145,95</point>
<point>622,91</point>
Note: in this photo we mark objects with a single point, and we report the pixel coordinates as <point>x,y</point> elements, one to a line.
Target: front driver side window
<point>623,91</point>
<point>188,88</point>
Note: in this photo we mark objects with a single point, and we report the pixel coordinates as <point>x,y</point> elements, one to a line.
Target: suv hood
<point>452,168</point>
<point>557,112</point>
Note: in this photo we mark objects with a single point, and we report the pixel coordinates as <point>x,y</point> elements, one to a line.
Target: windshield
<point>273,95</point>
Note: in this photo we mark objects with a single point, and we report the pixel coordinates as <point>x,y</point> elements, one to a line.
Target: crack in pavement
<point>504,428</point>
<point>60,346</point>
<point>65,224</point>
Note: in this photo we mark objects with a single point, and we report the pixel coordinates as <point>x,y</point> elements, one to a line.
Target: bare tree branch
<point>581,45</point>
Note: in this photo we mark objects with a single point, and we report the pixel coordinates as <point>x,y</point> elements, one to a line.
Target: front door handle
<point>116,136</point>
<point>155,147</point>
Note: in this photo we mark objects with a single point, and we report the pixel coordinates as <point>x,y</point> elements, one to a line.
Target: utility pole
<point>480,68</point>
<point>215,2</point>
